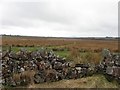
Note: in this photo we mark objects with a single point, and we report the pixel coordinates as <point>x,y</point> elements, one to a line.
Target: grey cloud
<point>75,16</point>
<point>17,13</point>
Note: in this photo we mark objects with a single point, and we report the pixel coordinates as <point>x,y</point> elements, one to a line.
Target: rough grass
<point>96,81</point>
<point>84,57</point>
<point>89,44</point>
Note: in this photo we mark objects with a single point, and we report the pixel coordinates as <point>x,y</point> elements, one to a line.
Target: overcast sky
<point>59,18</point>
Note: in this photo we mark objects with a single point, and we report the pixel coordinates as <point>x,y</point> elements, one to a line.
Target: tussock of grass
<point>84,57</point>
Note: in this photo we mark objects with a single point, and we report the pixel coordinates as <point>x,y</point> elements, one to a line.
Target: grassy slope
<point>96,81</point>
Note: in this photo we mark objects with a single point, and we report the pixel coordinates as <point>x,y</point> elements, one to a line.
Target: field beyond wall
<point>77,43</point>
<point>79,50</point>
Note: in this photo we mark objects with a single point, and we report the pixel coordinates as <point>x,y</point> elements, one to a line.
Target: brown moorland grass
<point>96,81</point>
<point>88,44</point>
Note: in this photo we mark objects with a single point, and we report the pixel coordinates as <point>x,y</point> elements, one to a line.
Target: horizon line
<point>63,36</point>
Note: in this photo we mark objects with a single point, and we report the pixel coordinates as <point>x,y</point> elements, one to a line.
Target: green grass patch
<point>62,53</point>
